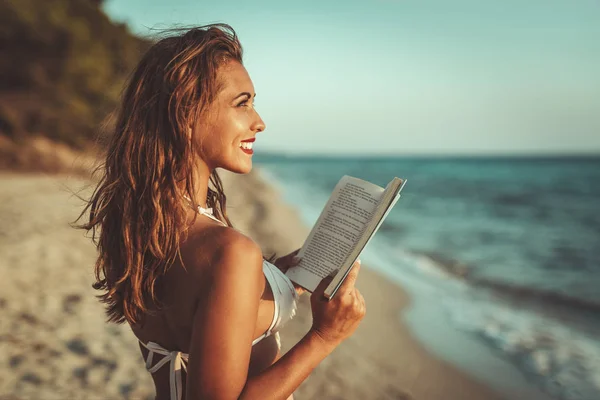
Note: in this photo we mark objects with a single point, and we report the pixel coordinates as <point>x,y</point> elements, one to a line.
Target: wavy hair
<point>138,205</point>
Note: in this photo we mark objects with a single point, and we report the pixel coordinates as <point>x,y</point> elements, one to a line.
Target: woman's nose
<point>259,124</point>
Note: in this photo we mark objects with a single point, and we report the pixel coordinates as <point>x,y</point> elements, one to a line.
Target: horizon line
<point>513,155</point>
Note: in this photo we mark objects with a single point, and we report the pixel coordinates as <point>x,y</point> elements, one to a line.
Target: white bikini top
<point>285,300</point>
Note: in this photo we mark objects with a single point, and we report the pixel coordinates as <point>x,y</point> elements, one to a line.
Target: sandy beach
<point>54,343</point>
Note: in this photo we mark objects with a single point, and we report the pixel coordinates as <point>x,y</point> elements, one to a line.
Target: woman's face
<point>229,120</point>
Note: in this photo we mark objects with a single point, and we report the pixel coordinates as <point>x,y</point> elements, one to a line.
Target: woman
<point>198,294</point>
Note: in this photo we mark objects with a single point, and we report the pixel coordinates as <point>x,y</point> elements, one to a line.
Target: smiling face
<point>229,120</point>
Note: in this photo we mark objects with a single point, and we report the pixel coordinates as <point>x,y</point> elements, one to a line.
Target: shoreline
<point>54,343</point>
<point>430,321</point>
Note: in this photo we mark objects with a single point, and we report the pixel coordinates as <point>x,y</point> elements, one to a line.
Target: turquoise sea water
<point>502,255</point>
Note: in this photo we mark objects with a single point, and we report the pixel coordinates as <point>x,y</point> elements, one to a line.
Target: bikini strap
<point>209,215</point>
<point>178,360</point>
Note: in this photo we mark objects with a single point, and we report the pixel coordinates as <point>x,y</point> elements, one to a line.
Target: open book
<point>347,223</point>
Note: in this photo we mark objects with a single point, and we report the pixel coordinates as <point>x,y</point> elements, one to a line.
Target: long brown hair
<point>138,205</point>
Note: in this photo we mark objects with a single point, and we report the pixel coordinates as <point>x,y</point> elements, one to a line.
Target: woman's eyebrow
<point>244,94</point>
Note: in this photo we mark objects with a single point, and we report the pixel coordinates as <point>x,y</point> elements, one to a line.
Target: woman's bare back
<point>184,291</point>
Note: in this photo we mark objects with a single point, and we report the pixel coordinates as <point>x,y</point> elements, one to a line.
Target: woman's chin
<point>237,164</point>
<point>240,168</point>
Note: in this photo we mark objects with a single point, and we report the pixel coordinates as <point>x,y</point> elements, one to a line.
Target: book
<point>351,217</point>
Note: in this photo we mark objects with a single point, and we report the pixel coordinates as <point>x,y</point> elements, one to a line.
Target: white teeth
<point>246,145</point>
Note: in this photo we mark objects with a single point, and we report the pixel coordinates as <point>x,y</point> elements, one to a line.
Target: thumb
<point>323,285</point>
<point>350,280</point>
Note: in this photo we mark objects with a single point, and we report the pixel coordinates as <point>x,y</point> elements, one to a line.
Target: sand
<point>54,343</point>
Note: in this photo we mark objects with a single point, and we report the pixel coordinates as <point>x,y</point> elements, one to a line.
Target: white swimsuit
<point>285,299</point>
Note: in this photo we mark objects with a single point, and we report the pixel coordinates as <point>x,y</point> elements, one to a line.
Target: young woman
<point>203,302</point>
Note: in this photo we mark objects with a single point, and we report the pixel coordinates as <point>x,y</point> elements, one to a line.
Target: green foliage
<point>63,64</point>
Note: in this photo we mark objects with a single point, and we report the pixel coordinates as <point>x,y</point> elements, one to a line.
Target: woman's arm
<point>282,378</point>
<point>333,322</point>
<point>225,319</point>
<point>224,327</point>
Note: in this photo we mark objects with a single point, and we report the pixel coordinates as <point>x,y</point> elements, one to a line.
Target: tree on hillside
<point>62,67</point>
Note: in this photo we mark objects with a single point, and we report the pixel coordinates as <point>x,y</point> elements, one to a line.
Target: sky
<point>409,77</point>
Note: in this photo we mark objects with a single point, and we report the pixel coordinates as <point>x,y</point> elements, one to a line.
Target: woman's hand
<point>336,319</point>
<point>288,261</point>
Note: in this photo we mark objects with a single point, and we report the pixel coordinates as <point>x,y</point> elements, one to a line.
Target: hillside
<point>62,68</point>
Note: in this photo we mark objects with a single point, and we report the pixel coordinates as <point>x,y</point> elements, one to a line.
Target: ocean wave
<point>546,298</point>
<point>565,362</point>
<point>561,357</point>
<point>435,264</point>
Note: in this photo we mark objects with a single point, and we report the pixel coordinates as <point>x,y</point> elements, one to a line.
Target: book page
<point>336,232</point>
<point>388,199</point>
<point>388,209</point>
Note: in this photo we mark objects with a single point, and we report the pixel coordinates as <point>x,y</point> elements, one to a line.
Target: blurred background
<point>491,110</point>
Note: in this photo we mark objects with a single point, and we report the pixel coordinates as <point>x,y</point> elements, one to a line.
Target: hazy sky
<point>410,76</point>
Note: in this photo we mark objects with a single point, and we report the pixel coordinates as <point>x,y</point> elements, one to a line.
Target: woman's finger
<point>288,258</point>
<point>299,289</point>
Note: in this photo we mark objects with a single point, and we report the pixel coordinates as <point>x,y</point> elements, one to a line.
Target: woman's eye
<point>245,104</point>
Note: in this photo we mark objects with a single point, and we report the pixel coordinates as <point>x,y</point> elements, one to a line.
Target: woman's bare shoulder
<point>216,249</point>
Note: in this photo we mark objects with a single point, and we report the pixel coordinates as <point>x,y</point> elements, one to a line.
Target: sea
<point>500,256</point>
